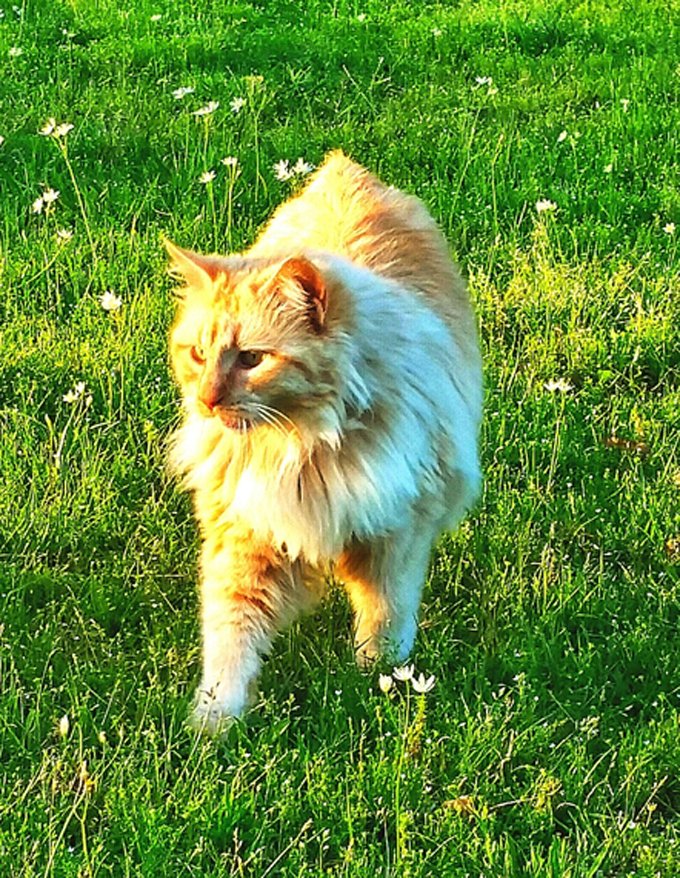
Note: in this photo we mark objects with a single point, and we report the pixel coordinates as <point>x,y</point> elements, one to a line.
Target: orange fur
<point>332,391</point>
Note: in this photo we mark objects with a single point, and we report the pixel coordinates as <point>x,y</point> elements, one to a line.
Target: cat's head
<point>259,342</point>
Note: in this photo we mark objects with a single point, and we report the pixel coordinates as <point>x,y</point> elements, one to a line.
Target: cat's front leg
<point>384,579</point>
<point>248,591</point>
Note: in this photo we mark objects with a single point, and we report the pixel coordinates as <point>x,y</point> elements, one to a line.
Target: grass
<point>549,745</point>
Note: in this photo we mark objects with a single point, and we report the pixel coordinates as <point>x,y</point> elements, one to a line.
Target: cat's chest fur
<point>407,436</point>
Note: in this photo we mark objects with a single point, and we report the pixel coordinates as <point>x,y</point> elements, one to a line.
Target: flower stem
<point>81,203</point>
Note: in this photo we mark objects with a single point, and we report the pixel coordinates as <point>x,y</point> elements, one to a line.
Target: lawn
<point>544,137</point>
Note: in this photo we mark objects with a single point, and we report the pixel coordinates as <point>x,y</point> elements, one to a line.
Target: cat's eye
<point>198,354</point>
<point>249,359</point>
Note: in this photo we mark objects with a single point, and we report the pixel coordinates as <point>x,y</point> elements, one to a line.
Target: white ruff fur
<point>370,468</point>
<point>316,494</point>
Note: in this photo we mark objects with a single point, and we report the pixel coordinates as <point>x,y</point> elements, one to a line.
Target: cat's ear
<point>197,270</point>
<point>304,283</point>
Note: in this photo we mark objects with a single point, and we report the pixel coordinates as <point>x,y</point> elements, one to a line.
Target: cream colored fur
<point>349,445</point>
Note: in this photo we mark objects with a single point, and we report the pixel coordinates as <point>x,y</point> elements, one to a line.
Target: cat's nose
<point>211,393</point>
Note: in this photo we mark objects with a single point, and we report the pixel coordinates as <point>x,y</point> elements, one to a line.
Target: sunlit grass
<point>544,138</point>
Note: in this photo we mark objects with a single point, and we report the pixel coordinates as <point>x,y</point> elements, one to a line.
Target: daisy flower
<point>403,674</point>
<point>545,205</point>
<point>110,301</point>
<point>209,108</point>
<point>237,104</point>
<point>52,129</point>
<point>282,171</point>
<point>182,92</point>
<point>561,385</point>
<point>75,394</point>
<point>49,196</point>
<point>302,167</point>
<point>48,127</point>
<point>206,177</point>
<point>422,685</point>
<point>385,683</point>
<point>669,228</point>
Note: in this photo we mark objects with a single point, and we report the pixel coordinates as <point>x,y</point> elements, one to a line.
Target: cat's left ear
<point>197,270</point>
<point>304,284</point>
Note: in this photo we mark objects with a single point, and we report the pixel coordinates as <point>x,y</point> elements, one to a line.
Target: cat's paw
<point>367,653</point>
<point>213,716</point>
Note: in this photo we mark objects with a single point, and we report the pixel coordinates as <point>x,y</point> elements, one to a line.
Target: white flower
<point>75,394</point>
<point>561,385</point>
<point>609,168</point>
<point>63,129</point>
<point>206,177</point>
<point>64,235</point>
<point>2,139</point>
<point>209,108</point>
<point>562,136</point>
<point>403,674</point>
<point>361,17</point>
<point>37,206</point>
<point>64,726</point>
<point>15,51</point>
<point>483,80</point>
<point>282,171</point>
<point>385,682</point>
<point>52,129</point>
<point>669,228</point>
<point>49,196</point>
<point>110,301</point>
<point>422,685</point>
<point>436,32</point>
<point>302,167</point>
<point>229,161</point>
<point>237,105</point>
<point>156,17</point>
<point>544,205</point>
<point>48,127</point>
<point>182,92</point>
<point>625,103</point>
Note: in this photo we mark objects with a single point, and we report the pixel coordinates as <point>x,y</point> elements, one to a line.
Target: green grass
<point>550,744</point>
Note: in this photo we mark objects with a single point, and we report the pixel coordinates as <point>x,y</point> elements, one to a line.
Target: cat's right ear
<point>197,270</point>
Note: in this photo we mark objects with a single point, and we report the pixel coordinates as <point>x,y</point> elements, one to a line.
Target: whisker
<point>271,421</point>
<point>279,415</point>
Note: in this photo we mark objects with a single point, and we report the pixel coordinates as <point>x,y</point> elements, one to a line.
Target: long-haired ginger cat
<point>332,393</point>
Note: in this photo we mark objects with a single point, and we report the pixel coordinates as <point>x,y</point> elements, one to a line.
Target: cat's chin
<point>234,422</point>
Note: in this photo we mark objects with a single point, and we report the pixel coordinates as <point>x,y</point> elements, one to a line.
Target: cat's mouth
<point>233,420</point>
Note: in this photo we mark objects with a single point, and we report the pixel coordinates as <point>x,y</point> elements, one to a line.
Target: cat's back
<point>346,210</point>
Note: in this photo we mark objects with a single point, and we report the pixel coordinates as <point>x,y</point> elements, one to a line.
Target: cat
<point>332,393</point>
